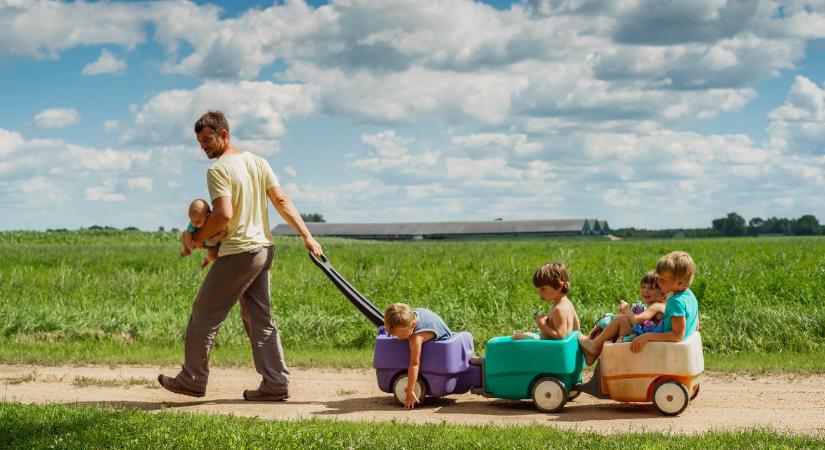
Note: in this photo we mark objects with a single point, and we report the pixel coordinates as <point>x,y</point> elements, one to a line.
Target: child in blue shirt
<point>417,326</point>
<point>674,273</point>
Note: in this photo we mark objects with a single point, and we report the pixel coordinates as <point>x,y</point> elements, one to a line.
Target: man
<point>239,183</point>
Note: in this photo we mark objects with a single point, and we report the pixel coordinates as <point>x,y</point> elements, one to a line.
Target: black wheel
<point>549,394</point>
<point>399,389</point>
<point>695,393</point>
<point>670,397</point>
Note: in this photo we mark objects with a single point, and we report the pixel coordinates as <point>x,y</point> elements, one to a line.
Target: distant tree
<point>754,226</point>
<point>806,225</point>
<point>161,229</point>
<point>732,225</point>
<point>498,218</point>
<point>313,217</point>
<point>131,229</point>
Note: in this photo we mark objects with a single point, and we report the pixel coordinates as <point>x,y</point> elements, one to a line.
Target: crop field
<point>120,297</point>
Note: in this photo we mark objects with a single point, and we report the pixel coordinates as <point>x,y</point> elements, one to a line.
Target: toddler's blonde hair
<point>398,315</point>
<point>678,265</point>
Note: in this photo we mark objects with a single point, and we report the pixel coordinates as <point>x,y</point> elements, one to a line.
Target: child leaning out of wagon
<point>552,282</point>
<point>674,273</point>
<point>417,326</point>
<point>631,321</point>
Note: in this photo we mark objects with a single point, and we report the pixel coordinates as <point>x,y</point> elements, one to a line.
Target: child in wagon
<point>417,326</point>
<point>674,274</point>
<point>552,282</point>
<point>632,320</point>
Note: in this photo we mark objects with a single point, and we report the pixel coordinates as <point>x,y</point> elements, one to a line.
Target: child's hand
<point>185,252</point>
<point>638,343</point>
<point>623,306</point>
<point>411,400</point>
<point>541,320</point>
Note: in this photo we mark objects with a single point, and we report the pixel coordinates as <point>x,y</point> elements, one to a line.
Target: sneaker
<point>476,360</point>
<point>172,385</point>
<point>254,395</point>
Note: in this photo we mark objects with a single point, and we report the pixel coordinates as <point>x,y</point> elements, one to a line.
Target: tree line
<point>735,225</point>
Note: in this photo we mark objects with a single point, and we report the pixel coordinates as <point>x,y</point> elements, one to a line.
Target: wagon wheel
<point>695,393</point>
<point>399,389</point>
<point>670,397</point>
<point>549,394</point>
<point>573,395</point>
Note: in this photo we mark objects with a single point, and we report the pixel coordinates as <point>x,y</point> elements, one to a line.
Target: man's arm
<point>217,220</point>
<point>290,214</point>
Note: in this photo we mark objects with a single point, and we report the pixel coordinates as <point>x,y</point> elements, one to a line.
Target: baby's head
<point>198,212</point>
<point>552,281</point>
<point>399,320</point>
<point>675,271</point>
<point>649,288</point>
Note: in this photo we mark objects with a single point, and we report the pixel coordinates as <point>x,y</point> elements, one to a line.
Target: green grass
<point>55,426</point>
<point>125,297</point>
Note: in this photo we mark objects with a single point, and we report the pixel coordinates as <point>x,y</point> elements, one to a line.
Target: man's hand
<point>313,246</point>
<point>638,343</point>
<point>411,400</point>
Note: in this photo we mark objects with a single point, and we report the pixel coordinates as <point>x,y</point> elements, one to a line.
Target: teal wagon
<point>545,371</point>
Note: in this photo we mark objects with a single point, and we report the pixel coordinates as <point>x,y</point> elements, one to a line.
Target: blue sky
<point>646,113</point>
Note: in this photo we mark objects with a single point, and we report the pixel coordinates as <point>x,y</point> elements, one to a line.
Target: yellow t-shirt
<point>245,178</point>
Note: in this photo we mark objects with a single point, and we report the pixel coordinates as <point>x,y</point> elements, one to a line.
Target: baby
<point>199,211</point>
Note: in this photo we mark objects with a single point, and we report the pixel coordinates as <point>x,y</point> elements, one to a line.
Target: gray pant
<point>244,276</point>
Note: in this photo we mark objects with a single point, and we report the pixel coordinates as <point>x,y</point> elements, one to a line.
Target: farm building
<point>446,230</point>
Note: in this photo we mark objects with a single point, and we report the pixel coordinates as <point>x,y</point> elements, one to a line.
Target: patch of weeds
<point>83,382</point>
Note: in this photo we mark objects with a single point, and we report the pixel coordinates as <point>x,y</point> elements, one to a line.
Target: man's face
<point>211,142</point>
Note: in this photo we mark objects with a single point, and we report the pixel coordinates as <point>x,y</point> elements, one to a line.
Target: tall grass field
<point>125,297</point>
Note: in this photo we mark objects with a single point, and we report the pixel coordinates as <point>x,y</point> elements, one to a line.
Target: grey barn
<point>446,230</point>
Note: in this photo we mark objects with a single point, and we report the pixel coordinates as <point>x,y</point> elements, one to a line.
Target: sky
<point>645,113</point>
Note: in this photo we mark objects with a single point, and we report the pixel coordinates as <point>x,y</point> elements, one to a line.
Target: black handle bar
<point>370,311</point>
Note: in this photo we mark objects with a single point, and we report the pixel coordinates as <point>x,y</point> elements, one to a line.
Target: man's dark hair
<point>214,120</point>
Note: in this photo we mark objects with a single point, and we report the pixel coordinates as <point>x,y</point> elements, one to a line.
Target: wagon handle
<point>367,308</point>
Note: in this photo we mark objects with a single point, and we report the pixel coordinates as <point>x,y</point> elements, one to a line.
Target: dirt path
<point>786,403</point>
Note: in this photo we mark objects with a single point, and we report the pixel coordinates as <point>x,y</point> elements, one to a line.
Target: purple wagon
<point>445,365</point>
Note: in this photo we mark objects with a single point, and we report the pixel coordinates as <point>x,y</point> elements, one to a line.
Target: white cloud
<point>289,170</point>
<point>106,159</point>
<point>798,126</point>
<point>140,183</point>
<point>56,118</point>
<point>106,63</point>
<point>104,193</point>
<point>496,143</point>
<point>111,125</point>
<point>256,112</point>
<point>10,142</point>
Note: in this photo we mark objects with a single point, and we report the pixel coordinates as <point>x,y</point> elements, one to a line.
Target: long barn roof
<point>507,227</point>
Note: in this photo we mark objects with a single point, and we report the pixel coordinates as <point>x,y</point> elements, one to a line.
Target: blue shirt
<point>430,321</point>
<point>681,304</point>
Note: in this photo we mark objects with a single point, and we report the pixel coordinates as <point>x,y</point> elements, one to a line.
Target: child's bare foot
<point>588,349</point>
<point>185,252</point>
